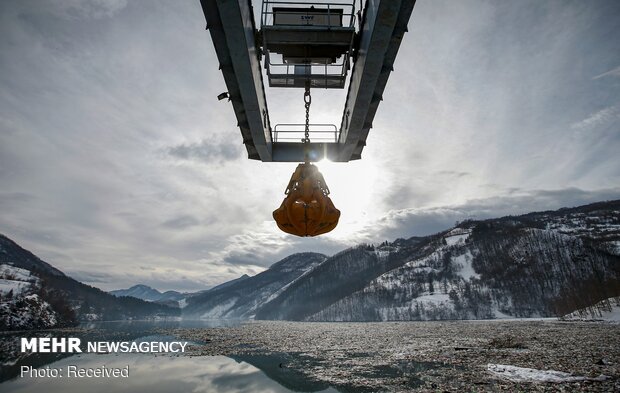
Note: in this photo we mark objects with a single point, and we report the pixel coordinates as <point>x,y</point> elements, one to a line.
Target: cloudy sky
<point>119,166</point>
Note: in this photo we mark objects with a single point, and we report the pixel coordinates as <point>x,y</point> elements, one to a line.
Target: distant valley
<point>535,265</point>
<point>34,294</point>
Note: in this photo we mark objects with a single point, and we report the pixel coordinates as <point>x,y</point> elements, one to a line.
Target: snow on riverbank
<point>605,310</point>
<point>524,374</point>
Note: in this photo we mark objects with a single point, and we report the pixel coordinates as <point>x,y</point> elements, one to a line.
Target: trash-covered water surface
<point>428,356</point>
<point>525,374</point>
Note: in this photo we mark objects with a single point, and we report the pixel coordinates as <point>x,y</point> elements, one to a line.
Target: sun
<point>353,190</point>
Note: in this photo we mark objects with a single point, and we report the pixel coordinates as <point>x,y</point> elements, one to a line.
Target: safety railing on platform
<point>318,13</point>
<point>288,132</point>
<point>293,75</point>
<point>324,59</point>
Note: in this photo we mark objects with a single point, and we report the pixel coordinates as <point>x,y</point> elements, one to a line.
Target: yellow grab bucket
<point>307,209</point>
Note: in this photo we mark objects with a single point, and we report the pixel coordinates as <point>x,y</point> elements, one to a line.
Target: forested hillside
<point>539,264</point>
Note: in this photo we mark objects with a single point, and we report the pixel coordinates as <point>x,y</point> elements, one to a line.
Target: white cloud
<point>614,72</point>
<point>600,118</point>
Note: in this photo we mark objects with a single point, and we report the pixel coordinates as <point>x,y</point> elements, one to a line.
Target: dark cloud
<point>9,199</point>
<point>91,277</point>
<point>161,280</point>
<point>453,173</point>
<point>206,151</point>
<point>181,222</point>
<point>420,222</point>
<point>181,284</point>
<point>250,255</point>
<point>400,196</point>
<point>30,235</point>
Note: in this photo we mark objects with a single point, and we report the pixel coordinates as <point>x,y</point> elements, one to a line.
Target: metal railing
<point>344,12</point>
<point>337,68</point>
<point>328,74</point>
<point>290,132</point>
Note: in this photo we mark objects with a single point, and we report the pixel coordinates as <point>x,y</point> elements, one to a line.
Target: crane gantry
<point>306,45</point>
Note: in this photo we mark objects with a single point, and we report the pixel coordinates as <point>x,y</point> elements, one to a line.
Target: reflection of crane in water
<point>306,45</point>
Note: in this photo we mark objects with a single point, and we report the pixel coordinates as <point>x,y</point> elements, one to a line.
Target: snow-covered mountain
<point>228,283</point>
<point>149,294</point>
<point>538,264</point>
<point>170,298</point>
<point>15,281</point>
<point>33,294</point>
<point>485,273</point>
<point>139,291</point>
<point>20,306</point>
<point>241,298</point>
<point>605,310</point>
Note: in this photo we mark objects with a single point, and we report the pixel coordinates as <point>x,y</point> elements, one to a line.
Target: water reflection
<point>151,373</point>
<point>276,368</point>
<point>154,374</point>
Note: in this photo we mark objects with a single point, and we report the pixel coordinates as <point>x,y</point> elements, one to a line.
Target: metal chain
<point>307,101</point>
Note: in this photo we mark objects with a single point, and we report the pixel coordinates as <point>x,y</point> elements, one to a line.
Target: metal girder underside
<point>383,26</point>
<point>232,28</point>
<point>231,24</point>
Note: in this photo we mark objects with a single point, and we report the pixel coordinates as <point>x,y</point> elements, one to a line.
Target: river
<point>147,372</point>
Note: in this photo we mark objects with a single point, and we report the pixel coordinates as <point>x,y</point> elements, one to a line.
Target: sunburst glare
<point>352,186</point>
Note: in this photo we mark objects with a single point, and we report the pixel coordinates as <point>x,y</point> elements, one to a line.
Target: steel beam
<point>295,152</point>
<point>383,26</point>
<point>232,28</point>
